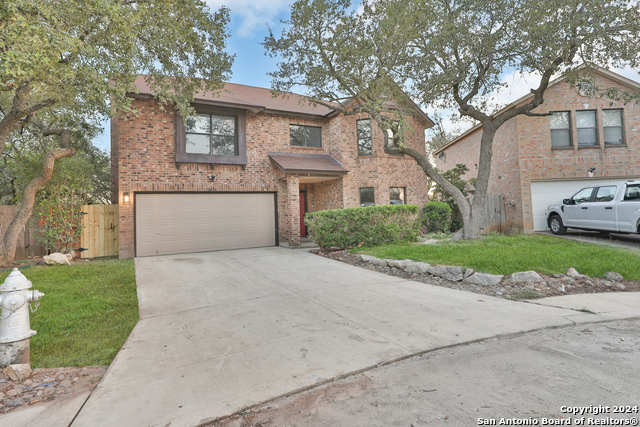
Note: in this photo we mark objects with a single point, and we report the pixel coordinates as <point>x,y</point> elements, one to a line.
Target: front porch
<point>313,183</point>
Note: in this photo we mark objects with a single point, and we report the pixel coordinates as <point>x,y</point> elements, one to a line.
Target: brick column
<point>293,209</point>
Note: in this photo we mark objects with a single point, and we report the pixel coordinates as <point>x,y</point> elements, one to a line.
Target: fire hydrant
<point>15,329</point>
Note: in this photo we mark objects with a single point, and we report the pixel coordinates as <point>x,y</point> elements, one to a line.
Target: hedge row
<point>366,226</point>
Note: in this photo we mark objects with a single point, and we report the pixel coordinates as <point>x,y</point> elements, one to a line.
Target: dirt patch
<point>48,384</point>
<point>553,285</point>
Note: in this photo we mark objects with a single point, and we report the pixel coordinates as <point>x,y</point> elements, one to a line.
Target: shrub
<point>436,217</point>
<point>366,226</point>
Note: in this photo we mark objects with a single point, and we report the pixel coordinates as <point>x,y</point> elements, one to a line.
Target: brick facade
<point>143,151</point>
<point>522,151</point>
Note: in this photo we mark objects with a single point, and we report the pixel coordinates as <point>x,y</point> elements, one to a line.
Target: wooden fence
<point>28,245</point>
<point>99,233</point>
<point>494,218</point>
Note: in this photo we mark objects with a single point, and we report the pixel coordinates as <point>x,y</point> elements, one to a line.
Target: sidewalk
<point>219,332</point>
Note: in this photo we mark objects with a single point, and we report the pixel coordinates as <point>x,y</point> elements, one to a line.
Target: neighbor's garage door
<point>197,222</point>
<point>543,193</point>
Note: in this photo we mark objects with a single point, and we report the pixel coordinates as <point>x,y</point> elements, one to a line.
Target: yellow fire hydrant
<point>15,328</point>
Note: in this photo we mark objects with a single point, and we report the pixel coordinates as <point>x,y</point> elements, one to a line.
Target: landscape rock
<point>373,260</point>
<point>620,286</point>
<point>56,258</point>
<point>484,279</point>
<point>417,268</point>
<point>572,272</point>
<point>15,402</point>
<point>65,383</point>
<point>468,272</point>
<point>18,372</point>
<point>13,392</point>
<point>446,272</point>
<point>429,242</point>
<point>402,263</point>
<point>4,386</point>
<point>613,276</point>
<point>527,276</point>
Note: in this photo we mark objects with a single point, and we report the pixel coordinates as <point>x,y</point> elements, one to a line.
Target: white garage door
<point>199,222</point>
<point>543,193</point>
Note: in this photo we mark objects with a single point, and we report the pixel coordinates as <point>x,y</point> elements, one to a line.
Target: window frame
<point>373,192</point>
<point>240,137</point>
<point>609,144</point>
<point>370,138</point>
<point>404,195</point>
<point>595,144</point>
<point>570,129</point>
<point>304,126</point>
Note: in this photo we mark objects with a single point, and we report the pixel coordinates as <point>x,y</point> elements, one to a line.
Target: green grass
<point>500,254</point>
<point>87,312</point>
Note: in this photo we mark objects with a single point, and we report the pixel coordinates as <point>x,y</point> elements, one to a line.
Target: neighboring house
<point>540,160</point>
<point>243,172</point>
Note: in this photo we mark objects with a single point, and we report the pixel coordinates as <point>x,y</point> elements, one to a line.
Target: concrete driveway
<point>225,330</point>
<point>626,241</point>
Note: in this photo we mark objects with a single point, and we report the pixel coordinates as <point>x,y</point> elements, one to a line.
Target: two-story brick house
<point>244,170</point>
<point>541,160</point>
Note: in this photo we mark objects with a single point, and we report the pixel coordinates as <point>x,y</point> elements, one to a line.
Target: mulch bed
<point>508,289</point>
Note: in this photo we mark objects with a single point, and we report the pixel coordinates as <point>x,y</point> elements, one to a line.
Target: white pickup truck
<point>611,207</point>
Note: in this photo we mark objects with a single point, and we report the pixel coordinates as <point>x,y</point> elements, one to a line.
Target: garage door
<point>199,222</point>
<point>543,193</point>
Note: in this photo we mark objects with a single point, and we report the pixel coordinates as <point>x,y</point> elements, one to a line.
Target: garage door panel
<point>544,193</point>
<point>183,223</point>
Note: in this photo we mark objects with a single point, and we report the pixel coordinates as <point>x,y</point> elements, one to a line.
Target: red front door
<point>303,210</point>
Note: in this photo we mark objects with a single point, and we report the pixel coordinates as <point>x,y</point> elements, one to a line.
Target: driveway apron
<point>221,331</point>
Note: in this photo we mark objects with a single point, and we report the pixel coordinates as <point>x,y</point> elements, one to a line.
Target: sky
<point>250,23</point>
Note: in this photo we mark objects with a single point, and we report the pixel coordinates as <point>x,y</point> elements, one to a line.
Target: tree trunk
<point>10,239</point>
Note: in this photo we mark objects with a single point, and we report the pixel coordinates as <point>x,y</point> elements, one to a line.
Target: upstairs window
<point>560,129</point>
<point>612,124</point>
<point>586,125</point>
<point>305,136</point>
<point>211,134</point>
<point>397,196</point>
<point>364,137</point>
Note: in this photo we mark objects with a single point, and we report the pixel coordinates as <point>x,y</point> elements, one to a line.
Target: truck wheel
<point>556,226</point>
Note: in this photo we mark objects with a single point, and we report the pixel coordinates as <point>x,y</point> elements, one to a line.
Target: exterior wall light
<point>125,197</point>
<point>590,172</point>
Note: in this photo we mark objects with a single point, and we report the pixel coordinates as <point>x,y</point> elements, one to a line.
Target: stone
<point>60,377</point>
<point>75,379</point>
<point>65,383</point>
<point>572,272</point>
<point>401,264</point>
<point>526,276</point>
<point>446,272</point>
<point>27,383</point>
<point>568,279</point>
<point>429,242</point>
<point>613,276</point>
<point>3,376</point>
<point>56,258</point>
<point>484,279</point>
<point>468,272</point>
<point>13,392</point>
<point>529,287</point>
<point>417,268</point>
<point>2,396</point>
<point>4,386</point>
<point>14,402</point>
<point>18,372</point>
<point>620,286</point>
<point>40,393</point>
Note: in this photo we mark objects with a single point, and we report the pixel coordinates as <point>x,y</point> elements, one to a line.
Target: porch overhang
<point>310,168</point>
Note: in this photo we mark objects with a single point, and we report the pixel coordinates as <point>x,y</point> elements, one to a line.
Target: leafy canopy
<point>86,54</point>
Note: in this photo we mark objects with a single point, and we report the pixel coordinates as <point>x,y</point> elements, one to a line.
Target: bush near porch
<point>364,226</point>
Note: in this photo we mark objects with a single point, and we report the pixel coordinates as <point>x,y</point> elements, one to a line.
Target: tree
<point>83,57</point>
<point>449,53</point>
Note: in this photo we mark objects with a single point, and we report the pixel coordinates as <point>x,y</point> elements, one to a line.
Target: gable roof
<point>259,99</point>
<point>603,71</point>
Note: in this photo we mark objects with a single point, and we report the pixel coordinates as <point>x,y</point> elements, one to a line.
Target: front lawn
<point>88,310</point>
<point>500,254</point>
